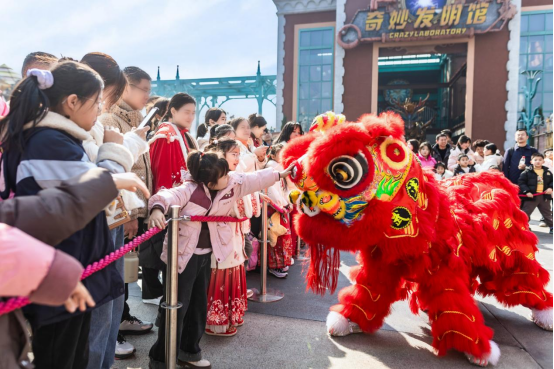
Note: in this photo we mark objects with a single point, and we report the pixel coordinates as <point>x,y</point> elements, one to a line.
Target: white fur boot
<point>542,318</point>
<point>491,358</point>
<point>338,325</point>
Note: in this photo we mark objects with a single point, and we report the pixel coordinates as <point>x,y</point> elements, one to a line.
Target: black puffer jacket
<point>528,182</point>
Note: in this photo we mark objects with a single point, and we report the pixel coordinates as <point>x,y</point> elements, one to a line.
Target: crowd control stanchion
<point>299,255</point>
<point>265,294</point>
<point>171,304</point>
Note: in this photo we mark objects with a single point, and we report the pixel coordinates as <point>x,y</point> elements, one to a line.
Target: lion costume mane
<point>435,243</point>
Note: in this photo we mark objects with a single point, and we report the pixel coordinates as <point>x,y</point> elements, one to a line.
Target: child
<point>279,252</point>
<point>213,117</point>
<point>536,184</point>
<point>209,189</point>
<point>462,147</point>
<point>227,296</point>
<point>441,172</point>
<point>413,145</point>
<point>217,132</point>
<point>425,157</point>
<point>172,143</point>
<point>251,159</point>
<point>62,105</point>
<point>463,166</point>
<point>548,159</point>
<point>479,148</point>
<point>492,157</point>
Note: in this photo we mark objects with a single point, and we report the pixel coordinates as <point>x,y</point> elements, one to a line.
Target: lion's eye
<point>347,171</point>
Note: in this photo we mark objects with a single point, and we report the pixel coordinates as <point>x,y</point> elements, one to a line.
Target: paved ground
<point>291,333</point>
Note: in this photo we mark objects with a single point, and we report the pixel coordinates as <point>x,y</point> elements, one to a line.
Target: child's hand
<point>529,194</point>
<point>287,171</point>
<point>130,182</point>
<point>265,198</point>
<point>79,299</point>
<point>157,219</point>
<point>112,134</point>
<point>548,191</point>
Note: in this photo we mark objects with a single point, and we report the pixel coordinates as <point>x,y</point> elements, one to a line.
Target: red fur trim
<point>386,124</point>
<point>297,148</point>
<point>323,273</point>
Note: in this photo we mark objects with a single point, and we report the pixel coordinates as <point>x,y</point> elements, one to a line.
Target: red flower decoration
<point>395,152</point>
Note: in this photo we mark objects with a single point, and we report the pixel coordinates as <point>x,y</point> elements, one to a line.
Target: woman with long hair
<point>172,143</point>
<point>462,147</point>
<point>290,131</point>
<point>258,125</point>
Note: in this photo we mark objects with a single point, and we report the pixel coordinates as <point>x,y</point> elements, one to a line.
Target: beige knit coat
<point>122,116</point>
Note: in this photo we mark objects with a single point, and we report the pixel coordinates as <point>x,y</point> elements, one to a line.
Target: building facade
<point>440,63</point>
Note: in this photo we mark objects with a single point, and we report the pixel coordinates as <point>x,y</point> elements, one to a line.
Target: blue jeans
<point>104,325</point>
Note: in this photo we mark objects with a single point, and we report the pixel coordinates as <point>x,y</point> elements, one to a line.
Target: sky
<point>206,38</point>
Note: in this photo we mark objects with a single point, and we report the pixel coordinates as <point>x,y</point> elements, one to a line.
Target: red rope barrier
<point>19,302</point>
<point>535,194</point>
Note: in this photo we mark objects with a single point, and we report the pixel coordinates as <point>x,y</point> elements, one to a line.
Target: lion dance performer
<point>362,189</point>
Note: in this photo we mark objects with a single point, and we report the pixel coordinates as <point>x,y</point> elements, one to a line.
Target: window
<point>315,73</point>
<point>536,54</point>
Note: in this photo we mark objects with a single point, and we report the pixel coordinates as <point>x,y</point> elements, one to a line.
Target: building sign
<point>409,20</point>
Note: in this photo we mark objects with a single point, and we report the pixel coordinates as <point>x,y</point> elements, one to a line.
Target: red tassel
<point>323,273</point>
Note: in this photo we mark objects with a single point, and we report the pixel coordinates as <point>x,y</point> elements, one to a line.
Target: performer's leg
<point>368,301</point>
<point>456,321</point>
<point>522,284</point>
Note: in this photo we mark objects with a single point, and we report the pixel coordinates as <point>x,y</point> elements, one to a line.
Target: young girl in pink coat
<point>227,296</point>
<point>425,157</point>
<point>208,190</point>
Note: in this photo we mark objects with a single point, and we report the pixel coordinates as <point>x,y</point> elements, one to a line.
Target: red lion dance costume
<point>362,189</point>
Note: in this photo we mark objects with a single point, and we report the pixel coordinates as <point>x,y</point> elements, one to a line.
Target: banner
<point>409,20</point>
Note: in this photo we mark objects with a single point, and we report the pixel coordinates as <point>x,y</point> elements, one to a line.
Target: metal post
<point>299,255</point>
<point>171,304</point>
<point>265,294</point>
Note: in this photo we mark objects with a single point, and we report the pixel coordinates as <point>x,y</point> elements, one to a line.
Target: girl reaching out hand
<point>208,190</point>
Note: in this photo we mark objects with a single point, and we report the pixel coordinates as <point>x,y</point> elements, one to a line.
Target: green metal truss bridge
<point>214,92</point>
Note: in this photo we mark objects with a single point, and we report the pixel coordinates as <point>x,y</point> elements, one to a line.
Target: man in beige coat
<point>126,116</point>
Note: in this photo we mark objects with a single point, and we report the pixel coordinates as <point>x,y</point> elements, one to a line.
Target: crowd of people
<point>70,136</point>
<point>79,174</point>
<point>522,164</point>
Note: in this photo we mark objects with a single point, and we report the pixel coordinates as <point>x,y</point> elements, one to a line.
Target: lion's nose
<point>308,202</point>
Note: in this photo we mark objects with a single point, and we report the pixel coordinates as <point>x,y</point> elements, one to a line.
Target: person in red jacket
<point>170,146</point>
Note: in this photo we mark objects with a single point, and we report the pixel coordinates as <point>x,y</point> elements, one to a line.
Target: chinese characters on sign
<point>450,15</point>
<point>407,19</point>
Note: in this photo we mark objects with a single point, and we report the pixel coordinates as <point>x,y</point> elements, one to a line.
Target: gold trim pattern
<point>461,334</point>
<point>363,311</point>
<point>370,295</point>
<point>472,319</point>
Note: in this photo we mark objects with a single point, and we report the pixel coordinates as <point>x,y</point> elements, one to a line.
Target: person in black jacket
<point>50,115</point>
<point>536,184</point>
<point>441,149</point>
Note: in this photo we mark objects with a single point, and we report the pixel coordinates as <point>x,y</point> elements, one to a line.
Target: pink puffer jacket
<point>33,269</point>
